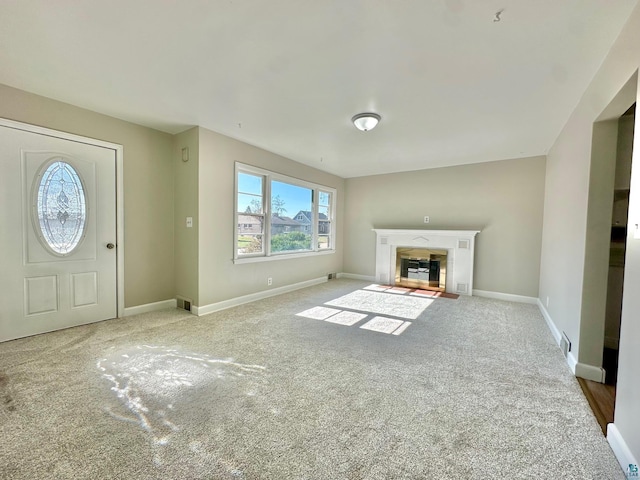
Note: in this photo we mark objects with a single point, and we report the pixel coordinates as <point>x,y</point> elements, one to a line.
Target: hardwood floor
<point>602,398</point>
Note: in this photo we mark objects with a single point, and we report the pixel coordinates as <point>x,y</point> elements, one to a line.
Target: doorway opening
<point>617,248</point>
<point>601,396</point>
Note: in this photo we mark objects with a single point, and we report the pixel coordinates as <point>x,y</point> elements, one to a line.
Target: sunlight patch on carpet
<point>399,290</point>
<point>382,303</point>
<point>151,382</point>
<point>347,318</point>
<point>377,288</point>
<point>333,315</point>
<point>318,313</point>
<point>386,325</point>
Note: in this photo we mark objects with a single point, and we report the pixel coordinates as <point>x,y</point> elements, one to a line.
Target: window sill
<point>282,256</point>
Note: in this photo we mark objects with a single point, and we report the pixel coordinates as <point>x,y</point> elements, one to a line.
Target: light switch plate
<point>189,222</point>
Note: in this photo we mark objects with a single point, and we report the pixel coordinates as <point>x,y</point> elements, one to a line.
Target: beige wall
<point>148,186</point>
<point>565,228</point>
<point>503,199</point>
<point>219,278</point>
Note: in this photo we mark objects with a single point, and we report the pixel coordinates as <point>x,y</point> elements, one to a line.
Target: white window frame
<point>268,176</point>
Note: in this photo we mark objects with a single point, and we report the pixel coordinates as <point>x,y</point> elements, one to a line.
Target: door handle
<point>110,246</point>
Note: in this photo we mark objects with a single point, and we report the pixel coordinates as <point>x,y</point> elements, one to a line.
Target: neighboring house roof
<point>278,220</point>
<point>306,216</point>
<point>303,216</point>
<point>248,219</point>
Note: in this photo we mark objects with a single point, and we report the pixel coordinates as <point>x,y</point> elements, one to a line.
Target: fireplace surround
<point>459,245</point>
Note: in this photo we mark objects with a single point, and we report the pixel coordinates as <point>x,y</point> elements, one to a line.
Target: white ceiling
<point>453,86</point>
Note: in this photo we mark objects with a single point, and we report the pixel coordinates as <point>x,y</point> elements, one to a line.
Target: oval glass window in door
<point>60,207</point>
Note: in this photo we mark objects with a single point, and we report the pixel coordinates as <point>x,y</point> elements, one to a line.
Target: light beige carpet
<point>338,381</point>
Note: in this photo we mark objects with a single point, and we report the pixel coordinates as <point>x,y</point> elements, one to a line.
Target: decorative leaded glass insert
<point>61,207</point>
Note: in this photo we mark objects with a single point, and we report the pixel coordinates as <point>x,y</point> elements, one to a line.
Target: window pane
<point>248,203</point>
<point>249,193</point>
<point>324,227</point>
<point>290,217</point>
<point>248,244</point>
<point>324,198</point>
<point>324,221</point>
<point>61,207</point>
<point>250,234</point>
<point>324,242</point>
<point>250,224</point>
<point>248,183</point>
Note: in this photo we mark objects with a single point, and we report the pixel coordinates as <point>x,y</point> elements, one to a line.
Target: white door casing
<point>46,286</point>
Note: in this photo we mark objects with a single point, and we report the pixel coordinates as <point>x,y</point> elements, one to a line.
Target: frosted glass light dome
<point>366,121</point>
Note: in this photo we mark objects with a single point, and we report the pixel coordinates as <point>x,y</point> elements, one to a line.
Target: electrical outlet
<point>269,281</point>
<point>426,219</point>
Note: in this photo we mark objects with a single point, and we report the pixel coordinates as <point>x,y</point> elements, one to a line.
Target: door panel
<point>56,271</point>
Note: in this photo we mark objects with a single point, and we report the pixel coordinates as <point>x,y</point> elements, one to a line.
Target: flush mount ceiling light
<point>366,121</point>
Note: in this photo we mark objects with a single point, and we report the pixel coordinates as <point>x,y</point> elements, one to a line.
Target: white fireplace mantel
<point>459,244</point>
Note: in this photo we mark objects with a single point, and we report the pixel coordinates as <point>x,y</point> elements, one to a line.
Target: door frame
<point>118,149</point>
<point>602,164</point>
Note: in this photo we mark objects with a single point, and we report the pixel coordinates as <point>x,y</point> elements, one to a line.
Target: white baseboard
<point>590,372</point>
<point>509,297</point>
<point>557,336</point>
<point>586,371</point>
<point>620,448</point>
<point>150,307</point>
<point>234,302</point>
<point>355,276</point>
<point>572,362</point>
<point>582,370</point>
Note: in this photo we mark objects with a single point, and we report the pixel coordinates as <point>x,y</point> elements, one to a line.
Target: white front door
<point>58,253</point>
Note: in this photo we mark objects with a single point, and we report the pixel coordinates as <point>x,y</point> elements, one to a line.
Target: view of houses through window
<point>277,214</point>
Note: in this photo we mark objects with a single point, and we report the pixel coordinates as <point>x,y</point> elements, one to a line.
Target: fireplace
<point>453,252</point>
<point>421,268</point>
